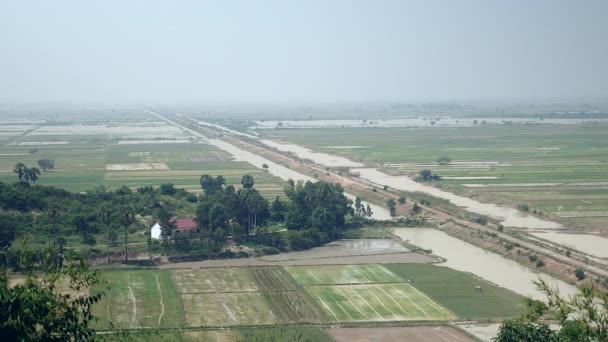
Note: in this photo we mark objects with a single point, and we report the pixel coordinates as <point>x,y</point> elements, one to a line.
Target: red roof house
<point>185,224</point>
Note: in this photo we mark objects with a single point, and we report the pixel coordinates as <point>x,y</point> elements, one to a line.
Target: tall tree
<point>46,164</point>
<point>392,207</point>
<point>369,211</point>
<point>359,208</point>
<point>20,170</point>
<point>31,174</point>
<point>247,181</point>
<point>212,185</point>
<point>53,214</point>
<point>126,216</point>
<point>106,214</point>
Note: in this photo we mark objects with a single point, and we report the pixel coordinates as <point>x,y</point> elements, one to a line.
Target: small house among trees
<point>182,225</point>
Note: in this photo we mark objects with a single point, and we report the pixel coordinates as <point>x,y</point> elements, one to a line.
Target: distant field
<point>557,169</point>
<point>117,154</point>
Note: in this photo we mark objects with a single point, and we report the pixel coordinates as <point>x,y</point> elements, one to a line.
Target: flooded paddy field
<point>343,248</point>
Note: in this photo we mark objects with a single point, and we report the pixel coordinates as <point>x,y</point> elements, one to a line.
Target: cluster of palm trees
<point>28,174</point>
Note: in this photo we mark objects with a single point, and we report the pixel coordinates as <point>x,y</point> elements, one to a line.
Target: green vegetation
<point>48,301</point>
<point>46,164</point>
<point>458,291</point>
<point>392,207</point>
<point>72,221</point>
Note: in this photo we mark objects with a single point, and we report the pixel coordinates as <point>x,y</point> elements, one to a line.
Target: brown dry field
<point>343,248</point>
<point>399,334</point>
<point>395,258</point>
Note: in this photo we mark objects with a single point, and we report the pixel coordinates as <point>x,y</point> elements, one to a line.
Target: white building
<point>155,231</point>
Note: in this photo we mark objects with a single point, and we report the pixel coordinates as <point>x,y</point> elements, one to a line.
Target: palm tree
<point>107,216</point>
<point>54,213</point>
<point>126,216</point>
<point>20,170</point>
<point>31,174</point>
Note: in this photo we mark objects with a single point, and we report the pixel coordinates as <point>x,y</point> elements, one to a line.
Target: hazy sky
<point>267,51</point>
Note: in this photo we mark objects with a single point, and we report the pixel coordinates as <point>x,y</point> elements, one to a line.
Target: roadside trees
<point>392,207</point>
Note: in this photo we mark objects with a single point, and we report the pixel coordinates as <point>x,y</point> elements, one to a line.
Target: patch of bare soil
<point>399,334</point>
<point>394,258</point>
<point>343,248</point>
<point>137,167</point>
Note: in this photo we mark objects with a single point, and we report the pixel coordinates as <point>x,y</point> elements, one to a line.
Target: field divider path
<point>134,310</point>
<point>355,283</point>
<point>162,304</point>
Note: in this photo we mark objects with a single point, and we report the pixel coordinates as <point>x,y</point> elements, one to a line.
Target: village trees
<point>222,210</point>
<point>316,213</point>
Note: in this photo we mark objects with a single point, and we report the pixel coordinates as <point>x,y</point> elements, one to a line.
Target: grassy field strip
<point>342,274</point>
<point>377,302</point>
<point>138,299</point>
<point>457,291</point>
